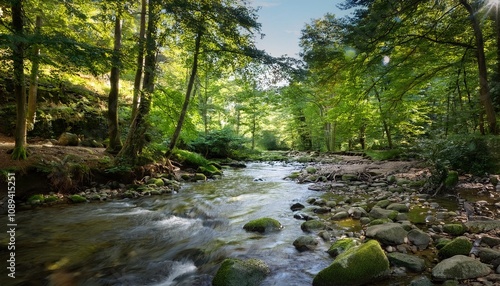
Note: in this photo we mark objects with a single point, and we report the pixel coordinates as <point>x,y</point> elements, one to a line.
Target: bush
<point>65,174</point>
<point>222,143</point>
<point>269,141</point>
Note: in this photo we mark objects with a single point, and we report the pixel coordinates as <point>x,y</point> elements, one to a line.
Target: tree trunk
<point>19,152</point>
<point>32,94</point>
<point>192,77</point>
<point>115,143</point>
<point>140,60</point>
<point>135,141</point>
<point>484,89</point>
<point>384,122</point>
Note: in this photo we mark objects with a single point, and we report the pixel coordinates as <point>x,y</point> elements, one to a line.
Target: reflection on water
<point>178,239</point>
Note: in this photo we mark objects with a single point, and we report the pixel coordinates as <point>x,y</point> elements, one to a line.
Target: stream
<point>177,239</point>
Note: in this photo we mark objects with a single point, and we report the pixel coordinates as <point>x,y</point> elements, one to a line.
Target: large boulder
<point>458,246</point>
<point>410,262</point>
<point>356,266</point>
<point>68,139</point>
<point>459,267</point>
<point>482,226</point>
<point>237,272</point>
<point>341,246</point>
<point>263,225</point>
<point>387,233</point>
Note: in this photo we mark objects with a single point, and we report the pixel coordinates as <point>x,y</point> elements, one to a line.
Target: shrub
<point>65,174</point>
<point>218,144</point>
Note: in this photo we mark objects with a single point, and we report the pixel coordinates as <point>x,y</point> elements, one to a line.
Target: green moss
<point>294,175</point>
<point>36,199</point>
<point>311,170</point>
<point>459,246</point>
<point>454,229</point>
<point>156,181</point>
<point>199,177</point>
<point>51,199</point>
<point>341,246</point>
<point>356,266</point>
<point>442,242</point>
<point>77,199</point>
<point>263,225</point>
<point>380,221</point>
<point>237,272</point>
<point>311,225</point>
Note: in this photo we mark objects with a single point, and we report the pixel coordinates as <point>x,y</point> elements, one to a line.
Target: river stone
<point>490,241</point>
<point>340,215</point>
<point>402,208</point>
<point>458,246</point>
<point>68,139</point>
<point>237,272</point>
<point>410,262</point>
<point>419,238</point>
<point>263,225</point>
<point>454,229</point>
<point>421,281</point>
<point>305,242</point>
<point>356,266</point>
<point>310,225</point>
<point>297,207</point>
<point>357,212</point>
<point>459,267</point>
<point>383,203</point>
<point>482,226</point>
<point>378,212</point>
<point>387,233</point>
<point>341,246</point>
<point>489,256</point>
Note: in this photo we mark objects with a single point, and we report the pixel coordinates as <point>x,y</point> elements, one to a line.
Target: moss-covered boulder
<point>263,225</point>
<point>378,212</point>
<point>237,272</point>
<point>199,177</point>
<point>358,265</point>
<point>342,245</point>
<point>312,225</point>
<point>454,229</point>
<point>458,246</point>
<point>77,199</point>
<point>156,181</point>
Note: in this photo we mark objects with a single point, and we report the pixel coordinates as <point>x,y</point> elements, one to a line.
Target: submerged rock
<point>312,225</point>
<point>356,266</point>
<point>263,225</point>
<point>237,272</point>
<point>305,242</point>
<point>459,267</point>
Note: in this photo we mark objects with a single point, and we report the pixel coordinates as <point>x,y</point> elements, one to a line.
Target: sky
<point>283,20</point>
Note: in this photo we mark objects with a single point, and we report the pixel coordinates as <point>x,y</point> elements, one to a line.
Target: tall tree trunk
<point>35,64</point>
<point>140,60</point>
<point>115,143</point>
<point>19,152</point>
<point>384,121</point>
<point>484,89</point>
<point>136,136</point>
<point>187,98</point>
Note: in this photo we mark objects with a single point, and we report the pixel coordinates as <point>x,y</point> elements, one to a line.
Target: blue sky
<point>282,21</point>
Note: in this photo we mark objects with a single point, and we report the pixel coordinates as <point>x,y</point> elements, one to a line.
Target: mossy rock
<point>77,199</point>
<point>349,177</point>
<point>356,266</point>
<point>383,203</point>
<point>380,221</point>
<point>458,246</point>
<point>156,181</point>
<point>311,170</point>
<point>199,177</point>
<point>310,225</point>
<point>454,229</point>
<point>237,272</point>
<point>305,243</point>
<point>51,199</point>
<point>210,171</point>
<point>36,199</point>
<point>341,246</point>
<point>442,242</point>
<point>294,175</point>
<point>263,225</point>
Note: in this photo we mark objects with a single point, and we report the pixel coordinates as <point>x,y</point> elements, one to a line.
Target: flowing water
<point>177,239</point>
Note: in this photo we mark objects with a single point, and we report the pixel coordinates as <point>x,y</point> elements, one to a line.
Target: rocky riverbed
<point>453,237</point>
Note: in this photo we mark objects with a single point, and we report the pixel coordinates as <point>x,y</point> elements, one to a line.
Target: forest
<point>397,79</point>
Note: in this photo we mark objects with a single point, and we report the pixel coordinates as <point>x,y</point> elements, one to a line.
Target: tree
<point>19,84</point>
<point>114,136</point>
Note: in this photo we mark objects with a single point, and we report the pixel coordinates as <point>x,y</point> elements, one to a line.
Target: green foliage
<point>382,155</point>
<point>77,199</point>
<point>270,141</point>
<point>223,143</point>
<point>65,174</point>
